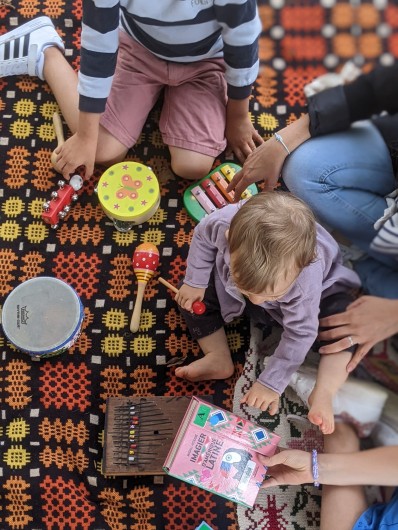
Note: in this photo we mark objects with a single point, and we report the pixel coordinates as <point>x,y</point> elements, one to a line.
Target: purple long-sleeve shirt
<point>297,311</point>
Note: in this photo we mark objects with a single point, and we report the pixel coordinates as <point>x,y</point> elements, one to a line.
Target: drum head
<point>128,191</point>
<point>42,315</point>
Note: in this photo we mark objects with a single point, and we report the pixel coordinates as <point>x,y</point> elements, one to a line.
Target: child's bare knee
<point>107,159</point>
<point>190,165</point>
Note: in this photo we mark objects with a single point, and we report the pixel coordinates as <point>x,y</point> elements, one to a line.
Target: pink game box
<point>218,451</point>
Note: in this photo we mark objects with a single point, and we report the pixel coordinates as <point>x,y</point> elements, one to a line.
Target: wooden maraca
<point>198,307</point>
<point>59,133</point>
<point>145,263</point>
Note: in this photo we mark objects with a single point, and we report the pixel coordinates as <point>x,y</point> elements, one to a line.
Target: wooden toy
<point>59,205</point>
<point>59,133</point>
<point>210,193</point>
<point>139,432</point>
<point>129,194</point>
<point>145,263</point>
<point>42,317</point>
<point>198,307</point>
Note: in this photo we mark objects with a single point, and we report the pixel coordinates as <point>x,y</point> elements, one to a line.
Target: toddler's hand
<point>187,295</point>
<point>263,398</point>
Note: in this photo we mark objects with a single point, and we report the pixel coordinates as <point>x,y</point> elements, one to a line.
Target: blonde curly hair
<point>269,235</point>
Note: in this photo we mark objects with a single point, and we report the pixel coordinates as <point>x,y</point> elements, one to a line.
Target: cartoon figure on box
<point>235,458</point>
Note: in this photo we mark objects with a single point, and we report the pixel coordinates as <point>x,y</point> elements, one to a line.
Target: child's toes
<point>315,418</point>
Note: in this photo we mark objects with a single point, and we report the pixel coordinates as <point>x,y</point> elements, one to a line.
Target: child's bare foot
<point>211,366</point>
<point>321,410</point>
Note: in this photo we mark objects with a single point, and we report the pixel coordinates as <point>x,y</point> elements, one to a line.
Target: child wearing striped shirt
<point>201,55</point>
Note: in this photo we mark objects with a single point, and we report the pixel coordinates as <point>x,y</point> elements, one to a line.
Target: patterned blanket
<point>52,411</point>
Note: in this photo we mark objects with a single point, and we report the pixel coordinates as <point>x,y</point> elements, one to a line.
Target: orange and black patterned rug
<point>52,411</point>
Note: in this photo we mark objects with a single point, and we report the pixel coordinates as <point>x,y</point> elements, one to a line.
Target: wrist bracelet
<point>315,470</point>
<point>279,139</point>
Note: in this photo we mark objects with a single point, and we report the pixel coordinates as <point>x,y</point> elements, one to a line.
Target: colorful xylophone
<point>210,193</point>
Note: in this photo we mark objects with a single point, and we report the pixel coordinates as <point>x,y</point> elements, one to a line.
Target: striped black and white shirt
<point>386,239</point>
<point>173,30</point>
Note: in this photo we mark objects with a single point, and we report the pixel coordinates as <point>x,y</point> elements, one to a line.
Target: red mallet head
<point>198,308</point>
<point>145,261</point>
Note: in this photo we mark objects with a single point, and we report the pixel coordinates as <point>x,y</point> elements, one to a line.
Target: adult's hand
<point>289,467</point>
<point>367,321</point>
<point>266,161</point>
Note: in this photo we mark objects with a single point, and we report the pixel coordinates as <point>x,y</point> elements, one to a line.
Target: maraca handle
<point>136,316</point>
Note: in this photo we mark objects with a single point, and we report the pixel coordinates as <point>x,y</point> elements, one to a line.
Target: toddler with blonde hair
<point>270,259</point>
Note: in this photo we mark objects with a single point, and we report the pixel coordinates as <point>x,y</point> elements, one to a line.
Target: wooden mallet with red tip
<point>198,307</point>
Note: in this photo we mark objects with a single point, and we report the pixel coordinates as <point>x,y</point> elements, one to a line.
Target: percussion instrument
<point>145,263</point>
<point>129,194</point>
<point>210,193</point>
<point>139,432</point>
<point>59,205</point>
<point>42,317</point>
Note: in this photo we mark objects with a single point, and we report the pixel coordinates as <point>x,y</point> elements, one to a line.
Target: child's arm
<point>241,27</point>
<point>299,318</point>
<point>242,137</point>
<point>99,47</point>
<point>208,239</point>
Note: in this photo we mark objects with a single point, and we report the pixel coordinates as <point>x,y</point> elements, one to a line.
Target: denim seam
<point>329,189</point>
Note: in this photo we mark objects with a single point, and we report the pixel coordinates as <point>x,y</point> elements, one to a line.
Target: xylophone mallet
<point>145,263</point>
<point>59,133</point>
<point>198,307</point>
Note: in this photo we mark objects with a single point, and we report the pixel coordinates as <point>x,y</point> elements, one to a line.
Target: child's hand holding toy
<point>262,398</point>
<point>188,295</point>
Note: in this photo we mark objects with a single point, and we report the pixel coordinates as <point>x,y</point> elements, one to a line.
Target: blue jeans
<point>344,178</point>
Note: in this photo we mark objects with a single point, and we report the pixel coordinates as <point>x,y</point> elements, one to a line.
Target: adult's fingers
<point>334,333</point>
<point>335,320</point>
<point>336,347</point>
<point>357,302</point>
<point>235,180</point>
<point>360,353</point>
<point>270,483</point>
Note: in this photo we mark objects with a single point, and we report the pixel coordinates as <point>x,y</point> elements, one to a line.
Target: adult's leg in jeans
<point>344,178</point>
<point>349,502</point>
<point>377,278</point>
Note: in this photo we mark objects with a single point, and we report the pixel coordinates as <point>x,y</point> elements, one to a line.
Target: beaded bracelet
<point>279,139</point>
<point>315,470</point>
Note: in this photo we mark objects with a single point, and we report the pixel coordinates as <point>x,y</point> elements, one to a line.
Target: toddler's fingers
<point>273,408</point>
